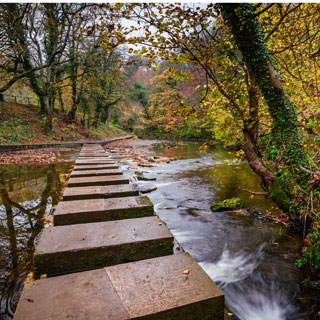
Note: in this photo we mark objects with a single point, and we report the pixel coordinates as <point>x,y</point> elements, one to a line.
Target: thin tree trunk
<point>48,126</point>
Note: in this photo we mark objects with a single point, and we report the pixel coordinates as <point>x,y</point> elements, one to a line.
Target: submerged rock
<point>143,178</point>
<point>147,189</point>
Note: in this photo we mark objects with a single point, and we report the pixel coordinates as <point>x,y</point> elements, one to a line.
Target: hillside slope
<point>20,123</point>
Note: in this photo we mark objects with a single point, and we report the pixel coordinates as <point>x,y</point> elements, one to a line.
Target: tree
<point>228,42</point>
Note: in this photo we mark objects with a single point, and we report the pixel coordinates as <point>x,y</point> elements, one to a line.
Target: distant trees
<point>56,47</point>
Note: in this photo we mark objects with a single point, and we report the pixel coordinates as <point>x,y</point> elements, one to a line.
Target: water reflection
<point>27,194</point>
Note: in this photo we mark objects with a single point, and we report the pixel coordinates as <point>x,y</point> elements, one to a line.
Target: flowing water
<point>249,257</point>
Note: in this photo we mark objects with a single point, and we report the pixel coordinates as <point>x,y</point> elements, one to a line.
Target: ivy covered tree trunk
<point>249,39</point>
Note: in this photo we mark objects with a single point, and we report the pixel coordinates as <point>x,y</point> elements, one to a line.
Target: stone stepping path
<point>90,161</point>
<point>88,246</point>
<point>104,223</point>
<point>95,167</point>
<point>93,173</point>
<point>159,288</point>
<point>97,181</point>
<point>96,210</point>
<point>100,192</point>
<point>91,155</point>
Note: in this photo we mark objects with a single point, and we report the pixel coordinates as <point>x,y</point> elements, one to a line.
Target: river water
<point>249,257</point>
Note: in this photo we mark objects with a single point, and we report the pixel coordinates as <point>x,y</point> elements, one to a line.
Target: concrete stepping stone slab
<point>100,192</point>
<point>96,158</point>
<point>88,155</point>
<point>97,181</point>
<point>96,210</point>
<point>95,167</point>
<point>84,296</point>
<point>154,288</point>
<point>91,145</point>
<point>80,247</point>
<point>93,173</point>
<point>93,161</point>
<point>92,150</point>
<point>99,150</point>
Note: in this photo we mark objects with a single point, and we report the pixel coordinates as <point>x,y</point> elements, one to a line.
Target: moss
<point>228,204</point>
<point>280,197</point>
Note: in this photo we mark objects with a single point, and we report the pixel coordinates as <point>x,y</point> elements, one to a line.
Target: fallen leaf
<point>186,272</point>
<point>28,281</point>
<point>43,276</point>
<point>230,314</point>
<point>160,224</point>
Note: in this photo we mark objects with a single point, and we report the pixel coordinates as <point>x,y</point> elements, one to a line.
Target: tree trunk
<point>249,39</point>
<point>48,126</point>
<point>61,99</point>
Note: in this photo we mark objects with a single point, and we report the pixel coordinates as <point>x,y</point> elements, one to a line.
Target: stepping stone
<point>96,167</point>
<point>88,155</point>
<point>93,161</point>
<point>149,289</point>
<point>88,246</point>
<point>97,181</point>
<point>95,150</point>
<point>92,173</point>
<point>92,150</point>
<point>91,145</point>
<point>96,158</point>
<point>100,192</point>
<point>95,210</point>
<point>99,150</point>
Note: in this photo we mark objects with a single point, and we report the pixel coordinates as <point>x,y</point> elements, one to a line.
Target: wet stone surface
<point>99,192</point>
<point>96,210</point>
<point>95,167</point>
<point>170,287</point>
<point>97,181</point>
<point>92,173</point>
<point>90,161</point>
<point>87,246</point>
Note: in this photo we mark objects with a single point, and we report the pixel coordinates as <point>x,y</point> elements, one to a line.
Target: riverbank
<point>45,153</point>
<point>23,124</point>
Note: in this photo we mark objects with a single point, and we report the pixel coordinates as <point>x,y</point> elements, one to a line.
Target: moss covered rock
<point>228,204</point>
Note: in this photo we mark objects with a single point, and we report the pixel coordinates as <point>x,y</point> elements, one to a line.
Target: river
<point>251,258</point>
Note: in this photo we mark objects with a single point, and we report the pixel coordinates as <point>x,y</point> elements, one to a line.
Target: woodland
<point>244,75</point>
